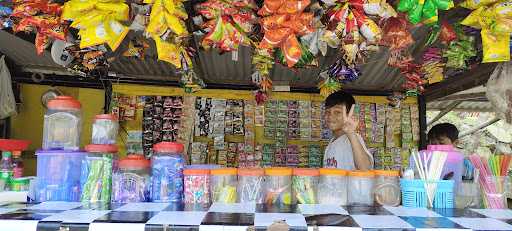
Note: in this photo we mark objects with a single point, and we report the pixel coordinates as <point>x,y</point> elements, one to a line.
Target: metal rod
<point>444,112</point>
<point>422,109</point>
<point>479,127</point>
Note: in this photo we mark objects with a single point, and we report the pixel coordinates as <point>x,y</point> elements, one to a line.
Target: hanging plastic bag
<point>7,101</point>
<point>499,91</point>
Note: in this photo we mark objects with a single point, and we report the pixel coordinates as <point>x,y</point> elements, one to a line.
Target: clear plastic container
<point>6,171</point>
<point>250,185</point>
<point>304,185</point>
<point>223,185</point>
<point>387,187</point>
<point>332,186</point>
<point>494,189</point>
<point>360,188</point>
<point>197,186</point>
<point>278,189</point>
<point>62,124</point>
<point>130,182</point>
<point>97,169</point>
<point>58,175</point>
<point>167,172</point>
<point>104,129</point>
<point>17,164</point>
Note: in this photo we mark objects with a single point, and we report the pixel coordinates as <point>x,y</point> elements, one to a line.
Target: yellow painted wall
<point>28,124</point>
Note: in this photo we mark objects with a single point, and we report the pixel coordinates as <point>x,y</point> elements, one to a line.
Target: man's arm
<point>361,158</point>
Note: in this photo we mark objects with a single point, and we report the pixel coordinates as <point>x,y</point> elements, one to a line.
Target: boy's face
<point>333,117</point>
<point>442,140</point>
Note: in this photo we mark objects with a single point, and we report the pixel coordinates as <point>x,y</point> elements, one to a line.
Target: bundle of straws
<point>492,178</point>
<point>430,167</point>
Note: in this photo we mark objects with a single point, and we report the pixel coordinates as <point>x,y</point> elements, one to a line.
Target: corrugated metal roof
<point>464,106</point>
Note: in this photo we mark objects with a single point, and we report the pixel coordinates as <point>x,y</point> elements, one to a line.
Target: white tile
<point>7,210</point>
<point>481,223</point>
<point>56,205</point>
<point>441,229</point>
<point>210,228</point>
<point>116,226</point>
<point>144,207</point>
<point>381,222</point>
<point>235,228</point>
<point>495,213</point>
<point>333,228</point>
<point>233,208</point>
<point>178,218</point>
<point>292,219</point>
<point>18,225</point>
<point>411,212</point>
<point>315,209</point>
<point>77,216</point>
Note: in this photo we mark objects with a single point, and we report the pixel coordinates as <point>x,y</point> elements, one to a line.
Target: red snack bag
<point>447,33</point>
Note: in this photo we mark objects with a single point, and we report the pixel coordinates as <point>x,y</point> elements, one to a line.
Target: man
<point>347,149</point>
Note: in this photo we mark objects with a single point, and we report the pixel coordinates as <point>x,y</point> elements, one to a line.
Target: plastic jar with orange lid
<point>250,185</point>
<point>360,188</point>
<point>278,188</point>
<point>62,124</point>
<point>196,186</point>
<point>304,185</point>
<point>131,180</point>
<point>387,187</point>
<point>223,185</point>
<point>332,186</point>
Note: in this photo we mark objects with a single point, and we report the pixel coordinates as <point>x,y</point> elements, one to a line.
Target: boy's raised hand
<point>349,122</point>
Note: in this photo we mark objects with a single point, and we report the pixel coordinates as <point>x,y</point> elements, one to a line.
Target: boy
<point>347,149</point>
<point>444,133</point>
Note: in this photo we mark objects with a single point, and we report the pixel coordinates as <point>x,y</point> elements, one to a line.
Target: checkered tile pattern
<point>56,216</point>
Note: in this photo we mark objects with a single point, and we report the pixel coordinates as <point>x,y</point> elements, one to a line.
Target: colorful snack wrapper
<point>425,11</point>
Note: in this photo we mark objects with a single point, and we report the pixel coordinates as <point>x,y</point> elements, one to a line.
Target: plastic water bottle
<point>17,164</point>
<point>6,169</point>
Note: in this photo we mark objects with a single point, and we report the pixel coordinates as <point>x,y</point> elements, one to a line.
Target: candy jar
<point>104,129</point>
<point>332,186</point>
<point>360,188</point>
<point>197,186</point>
<point>250,185</point>
<point>223,185</point>
<point>131,180</point>
<point>96,172</point>
<point>278,189</point>
<point>62,124</point>
<point>387,187</point>
<point>304,185</point>
<point>167,172</point>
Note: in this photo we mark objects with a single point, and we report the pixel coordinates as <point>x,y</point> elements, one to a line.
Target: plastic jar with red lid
<point>131,180</point>
<point>62,124</point>
<point>104,129</point>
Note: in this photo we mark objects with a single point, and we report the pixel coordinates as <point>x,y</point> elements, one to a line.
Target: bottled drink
<point>17,164</point>
<point>6,169</point>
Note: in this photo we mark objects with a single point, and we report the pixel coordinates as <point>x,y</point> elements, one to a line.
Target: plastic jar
<point>197,186</point>
<point>130,182</point>
<point>167,172</point>
<point>62,124</point>
<point>96,172</point>
<point>304,185</point>
<point>332,186</point>
<point>104,129</point>
<point>387,187</point>
<point>223,185</point>
<point>58,175</point>
<point>360,188</point>
<point>250,185</point>
<point>278,189</point>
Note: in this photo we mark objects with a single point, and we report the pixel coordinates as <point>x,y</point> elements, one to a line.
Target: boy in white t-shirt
<point>346,150</point>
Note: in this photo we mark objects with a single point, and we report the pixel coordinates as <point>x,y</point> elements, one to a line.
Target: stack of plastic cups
<point>196,186</point>
<point>332,186</point>
<point>250,185</point>
<point>167,172</point>
<point>387,187</point>
<point>96,173</point>
<point>304,185</point>
<point>223,185</point>
<point>360,188</point>
<point>278,189</point>
<point>131,181</point>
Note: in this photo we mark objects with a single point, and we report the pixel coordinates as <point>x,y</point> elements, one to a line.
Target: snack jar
<point>250,185</point>
<point>332,186</point>
<point>62,124</point>
<point>223,185</point>
<point>96,172</point>
<point>167,165</point>
<point>130,182</point>
<point>104,129</point>
<point>360,188</point>
<point>387,187</point>
<point>278,189</point>
<point>304,185</point>
<point>58,175</point>
<point>197,186</point>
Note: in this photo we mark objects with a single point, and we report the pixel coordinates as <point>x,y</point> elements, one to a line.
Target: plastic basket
<point>414,194</point>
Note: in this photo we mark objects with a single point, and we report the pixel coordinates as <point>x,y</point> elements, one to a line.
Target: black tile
<point>272,208</point>
<point>126,217</point>
<point>18,205</point>
<point>48,226</point>
<point>431,222</point>
<point>331,220</point>
<point>365,210</point>
<point>236,219</point>
<point>388,229</point>
<point>100,206</point>
<point>154,227</point>
<point>74,226</point>
<point>25,215</point>
<point>458,213</point>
